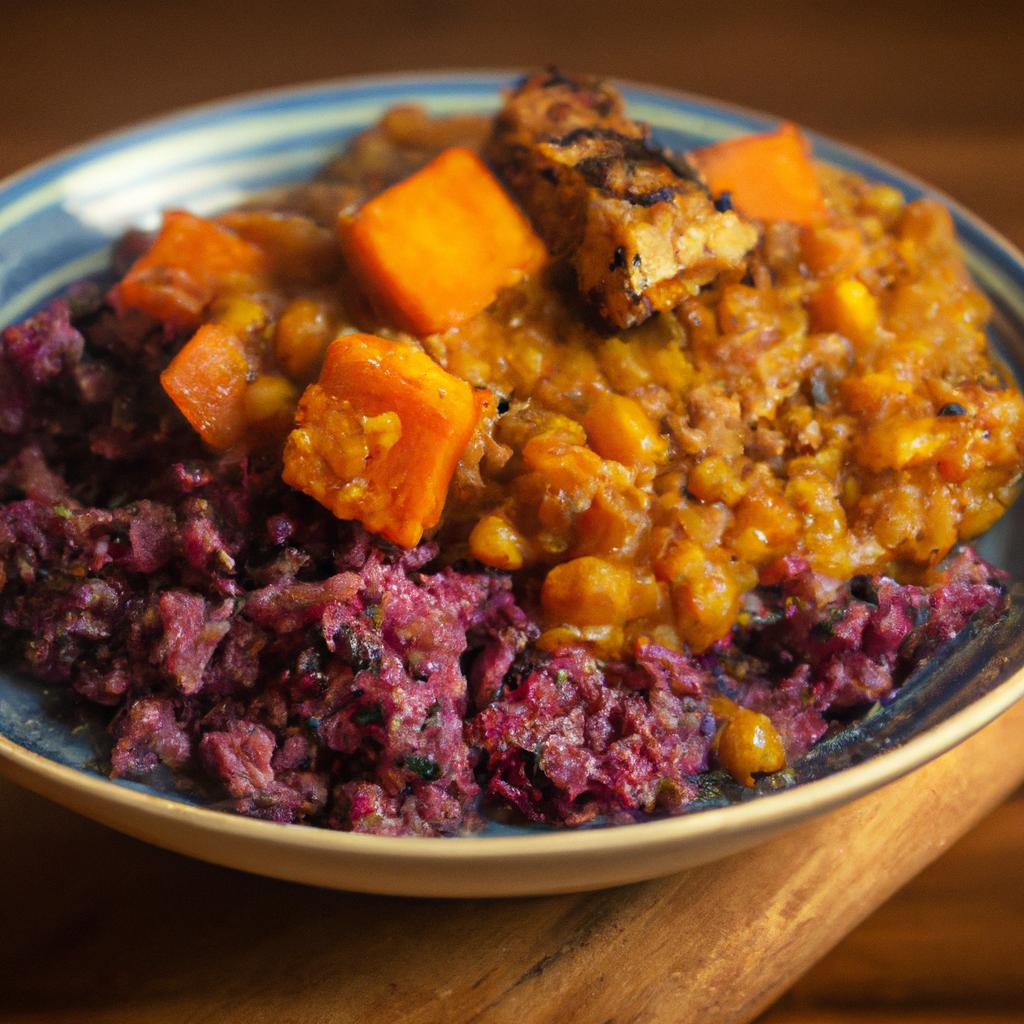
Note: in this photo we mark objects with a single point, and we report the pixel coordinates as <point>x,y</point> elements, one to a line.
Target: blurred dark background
<point>897,79</point>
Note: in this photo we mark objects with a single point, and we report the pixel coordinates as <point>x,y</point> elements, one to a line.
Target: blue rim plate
<point>58,222</point>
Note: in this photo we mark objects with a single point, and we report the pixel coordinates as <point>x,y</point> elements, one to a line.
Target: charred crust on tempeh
<point>594,185</point>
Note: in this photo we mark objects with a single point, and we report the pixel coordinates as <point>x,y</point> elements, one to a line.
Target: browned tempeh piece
<point>640,235</point>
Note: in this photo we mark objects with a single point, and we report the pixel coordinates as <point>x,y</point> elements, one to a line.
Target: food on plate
<point>513,467</point>
<point>392,245</point>
<point>769,177</point>
<point>379,436</point>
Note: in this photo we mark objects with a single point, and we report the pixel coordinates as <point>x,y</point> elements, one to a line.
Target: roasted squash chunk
<point>191,260</point>
<point>768,176</point>
<point>434,250</point>
<point>378,437</point>
<point>207,382</point>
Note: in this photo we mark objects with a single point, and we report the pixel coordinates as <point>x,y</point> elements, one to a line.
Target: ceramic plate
<point>57,223</point>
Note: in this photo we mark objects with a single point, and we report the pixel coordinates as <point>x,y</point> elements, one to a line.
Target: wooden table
<point>97,927</point>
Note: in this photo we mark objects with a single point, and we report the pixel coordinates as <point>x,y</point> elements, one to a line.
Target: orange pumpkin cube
<point>768,176</point>
<point>207,382</point>
<point>434,250</point>
<point>190,260</point>
<point>378,437</point>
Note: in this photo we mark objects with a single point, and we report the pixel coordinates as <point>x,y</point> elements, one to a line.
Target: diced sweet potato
<point>207,382</point>
<point>768,176</point>
<point>191,259</point>
<point>378,437</point>
<point>433,250</point>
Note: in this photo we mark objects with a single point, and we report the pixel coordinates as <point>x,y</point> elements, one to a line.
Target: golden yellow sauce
<point>838,404</point>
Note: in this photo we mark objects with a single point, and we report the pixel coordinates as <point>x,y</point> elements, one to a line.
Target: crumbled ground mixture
<point>303,670</point>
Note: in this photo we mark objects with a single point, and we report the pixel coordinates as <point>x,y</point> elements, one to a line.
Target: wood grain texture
<point>951,941</point>
<point>95,927</point>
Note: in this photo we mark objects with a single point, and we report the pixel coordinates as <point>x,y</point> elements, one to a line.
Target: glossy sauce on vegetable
<point>798,411</point>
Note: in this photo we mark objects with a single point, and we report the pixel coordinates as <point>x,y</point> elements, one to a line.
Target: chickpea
<point>588,591</point>
<point>749,743</point>
<point>494,541</point>
<point>618,428</point>
<point>301,338</point>
<point>269,405</point>
<point>848,308</point>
